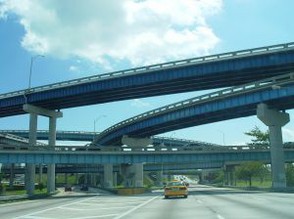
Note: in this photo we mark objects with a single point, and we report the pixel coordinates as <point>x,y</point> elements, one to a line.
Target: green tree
<point>259,137</point>
<point>246,171</point>
<point>290,174</point>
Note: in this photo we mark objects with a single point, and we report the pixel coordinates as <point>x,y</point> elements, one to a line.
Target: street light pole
<point>31,68</point>
<point>224,142</point>
<point>95,120</point>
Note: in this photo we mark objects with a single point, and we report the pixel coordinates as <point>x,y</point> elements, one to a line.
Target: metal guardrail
<point>262,84</point>
<point>19,139</point>
<point>158,138</point>
<point>46,132</point>
<point>77,149</point>
<point>199,60</point>
<point>181,140</point>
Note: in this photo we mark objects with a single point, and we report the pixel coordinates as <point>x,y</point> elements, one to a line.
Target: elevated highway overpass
<point>209,72</point>
<point>230,103</point>
<point>71,155</point>
<point>83,136</point>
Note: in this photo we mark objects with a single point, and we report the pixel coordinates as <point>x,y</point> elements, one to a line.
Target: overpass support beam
<point>275,119</point>
<point>136,142</point>
<point>30,173</point>
<point>108,176</point>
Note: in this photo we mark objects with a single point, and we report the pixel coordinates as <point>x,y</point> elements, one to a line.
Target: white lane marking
<point>220,217</point>
<point>89,217</point>
<point>36,217</point>
<point>135,208</point>
<point>83,209</point>
<point>48,209</point>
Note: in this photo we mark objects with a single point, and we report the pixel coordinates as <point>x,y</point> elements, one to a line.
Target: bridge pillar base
<point>275,119</point>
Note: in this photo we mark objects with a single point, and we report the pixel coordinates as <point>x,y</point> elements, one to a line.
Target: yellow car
<point>175,188</point>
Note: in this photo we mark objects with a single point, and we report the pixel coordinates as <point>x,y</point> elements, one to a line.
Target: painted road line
<point>135,208</point>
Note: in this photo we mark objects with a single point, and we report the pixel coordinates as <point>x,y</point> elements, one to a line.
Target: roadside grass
<point>19,189</point>
<point>256,183</point>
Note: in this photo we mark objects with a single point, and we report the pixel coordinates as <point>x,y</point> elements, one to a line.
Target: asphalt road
<point>203,202</point>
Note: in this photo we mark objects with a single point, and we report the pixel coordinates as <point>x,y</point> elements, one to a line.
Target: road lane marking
<point>31,215</point>
<point>89,217</point>
<point>83,209</point>
<point>219,216</point>
<point>137,207</point>
<point>36,217</point>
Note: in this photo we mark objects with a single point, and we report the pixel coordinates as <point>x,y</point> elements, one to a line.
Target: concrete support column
<point>133,175</point>
<point>31,168</point>
<point>30,172</point>
<point>40,173</point>
<point>108,176</point>
<point>275,119</point>
<point>52,143</point>
<point>115,179</point>
<point>229,175</point>
<point>138,177</point>
<point>159,179</point>
<point>11,177</point>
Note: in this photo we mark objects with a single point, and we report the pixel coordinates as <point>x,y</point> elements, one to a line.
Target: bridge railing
<point>126,149</point>
<point>18,139</point>
<point>156,139</point>
<point>172,64</point>
<point>263,84</point>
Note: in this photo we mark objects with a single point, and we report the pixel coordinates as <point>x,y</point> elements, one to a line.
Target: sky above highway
<point>89,37</point>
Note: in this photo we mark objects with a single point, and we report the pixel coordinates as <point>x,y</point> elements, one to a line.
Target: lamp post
<point>170,138</point>
<point>33,58</point>
<point>95,120</point>
<point>224,142</point>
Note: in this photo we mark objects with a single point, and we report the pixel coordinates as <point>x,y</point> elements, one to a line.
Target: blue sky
<point>84,38</point>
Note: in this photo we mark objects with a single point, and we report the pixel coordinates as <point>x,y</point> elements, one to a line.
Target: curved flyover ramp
<point>235,102</point>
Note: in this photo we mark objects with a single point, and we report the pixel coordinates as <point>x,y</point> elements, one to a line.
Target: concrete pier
<point>275,119</point>
<point>34,111</point>
<point>108,176</point>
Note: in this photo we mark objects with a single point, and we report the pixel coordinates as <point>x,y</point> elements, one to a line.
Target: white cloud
<point>73,68</point>
<point>288,134</point>
<point>142,32</point>
<point>140,103</point>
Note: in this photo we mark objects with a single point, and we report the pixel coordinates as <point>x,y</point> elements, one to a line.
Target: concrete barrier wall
<point>130,191</point>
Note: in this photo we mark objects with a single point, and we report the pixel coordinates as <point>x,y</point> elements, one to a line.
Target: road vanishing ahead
<point>203,202</point>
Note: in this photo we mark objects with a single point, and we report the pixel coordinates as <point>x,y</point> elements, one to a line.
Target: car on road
<point>175,189</point>
<point>84,187</point>
<point>67,188</point>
